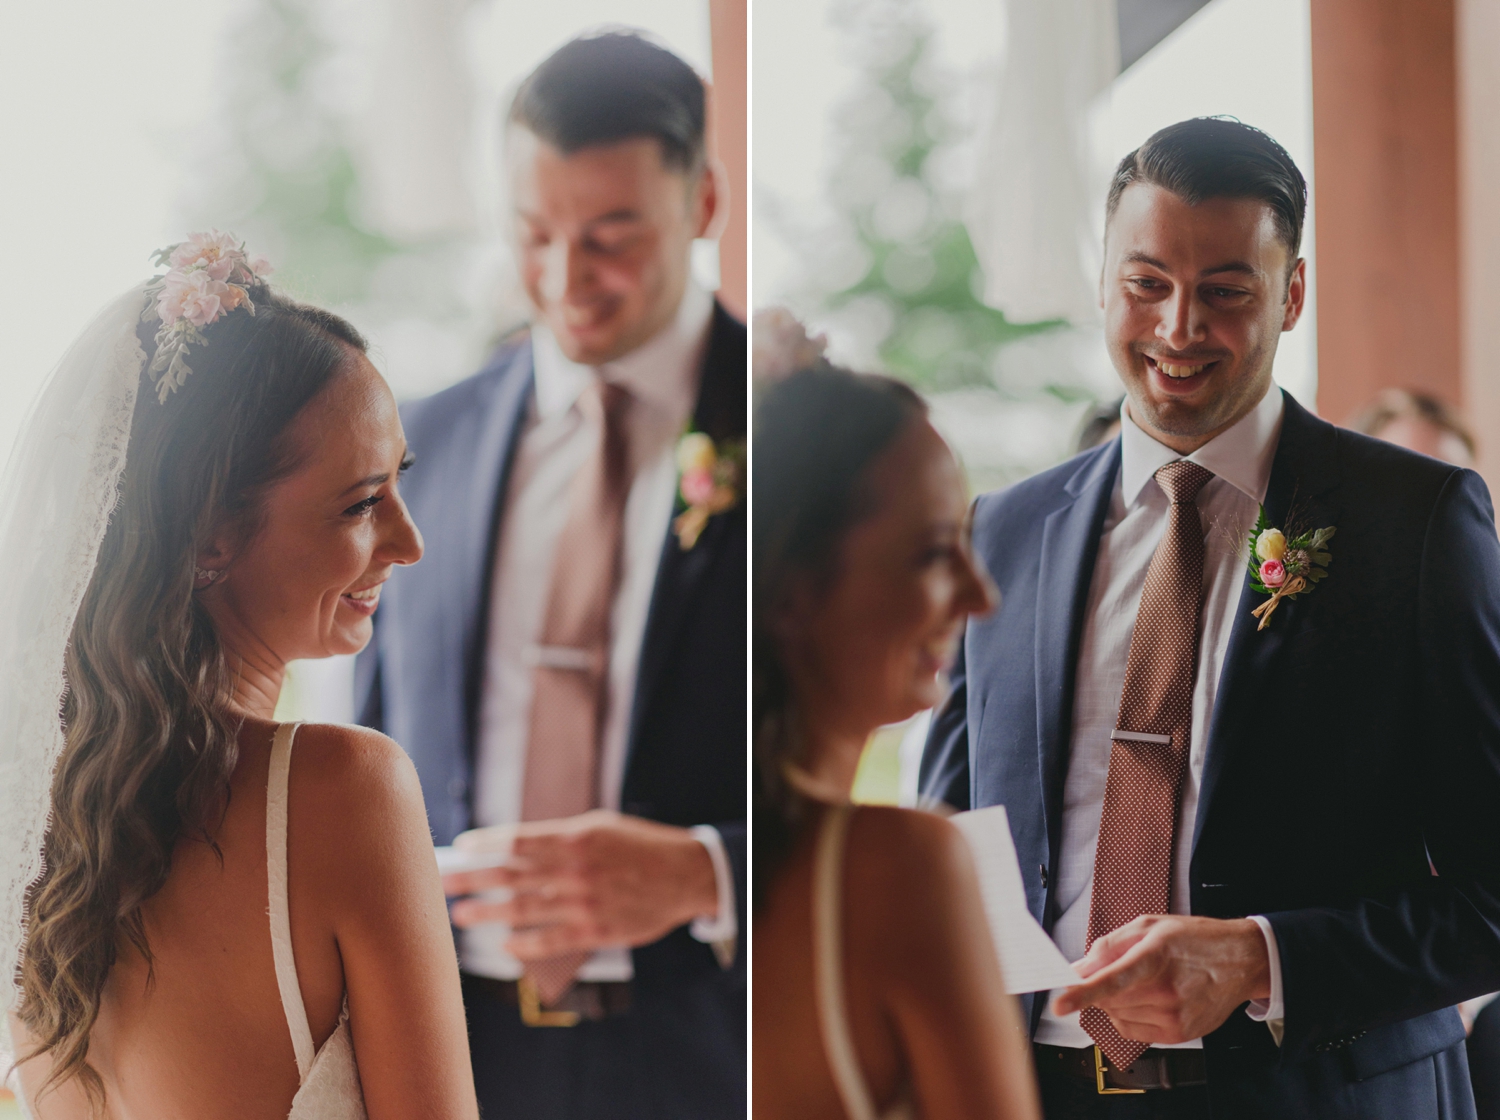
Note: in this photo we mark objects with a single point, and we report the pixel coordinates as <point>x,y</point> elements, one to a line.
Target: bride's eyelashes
<point>359,509</point>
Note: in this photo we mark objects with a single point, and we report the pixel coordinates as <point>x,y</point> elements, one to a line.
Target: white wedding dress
<point>57,492</point>
<point>329,1079</point>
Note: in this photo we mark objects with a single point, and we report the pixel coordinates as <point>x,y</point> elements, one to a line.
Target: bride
<point>210,913</point>
<point>877,992</point>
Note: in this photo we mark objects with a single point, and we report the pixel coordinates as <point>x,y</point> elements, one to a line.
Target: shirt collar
<point>1241,455</point>
<point>662,372</point>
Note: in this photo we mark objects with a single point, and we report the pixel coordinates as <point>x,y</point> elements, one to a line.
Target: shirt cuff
<point>722,930</point>
<point>1272,1011</point>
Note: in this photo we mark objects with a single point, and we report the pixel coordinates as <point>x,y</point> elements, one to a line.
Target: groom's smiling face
<point>604,236</point>
<point>1195,298</point>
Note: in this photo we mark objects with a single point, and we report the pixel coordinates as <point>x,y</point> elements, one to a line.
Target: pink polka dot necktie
<point>570,680</point>
<point>1149,756</point>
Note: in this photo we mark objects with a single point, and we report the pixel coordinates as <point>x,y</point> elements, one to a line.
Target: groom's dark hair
<point>612,86</point>
<point>1219,157</point>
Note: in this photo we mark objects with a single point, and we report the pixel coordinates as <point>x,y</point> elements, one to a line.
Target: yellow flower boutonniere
<point>710,480</point>
<point>1282,568</point>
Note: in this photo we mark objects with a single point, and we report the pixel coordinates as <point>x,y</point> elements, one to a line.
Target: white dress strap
<point>828,964</point>
<point>281,921</point>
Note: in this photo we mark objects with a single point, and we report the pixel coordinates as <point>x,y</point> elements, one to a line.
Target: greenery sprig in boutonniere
<point>711,479</point>
<point>1284,569</point>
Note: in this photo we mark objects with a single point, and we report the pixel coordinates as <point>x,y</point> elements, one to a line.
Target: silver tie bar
<point>1141,737</point>
<point>561,657</point>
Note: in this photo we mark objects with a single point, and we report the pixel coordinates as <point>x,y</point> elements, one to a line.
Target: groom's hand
<point>1172,978</point>
<point>584,882</point>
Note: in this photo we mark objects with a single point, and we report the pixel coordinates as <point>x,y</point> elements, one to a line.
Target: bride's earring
<point>204,577</point>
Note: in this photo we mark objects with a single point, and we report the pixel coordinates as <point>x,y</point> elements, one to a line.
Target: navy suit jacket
<point>1356,735</point>
<point>419,678</point>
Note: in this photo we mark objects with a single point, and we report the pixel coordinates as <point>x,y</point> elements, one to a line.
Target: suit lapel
<point>494,453</point>
<point>1070,545</point>
<point>721,413</point>
<point>1304,470</point>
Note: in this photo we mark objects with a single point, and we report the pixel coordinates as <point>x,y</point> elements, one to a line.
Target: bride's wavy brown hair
<point>150,735</point>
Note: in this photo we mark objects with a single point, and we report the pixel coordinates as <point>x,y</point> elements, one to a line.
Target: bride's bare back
<point>923,995</point>
<point>201,1032</point>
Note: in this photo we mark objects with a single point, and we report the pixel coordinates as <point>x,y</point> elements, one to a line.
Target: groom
<point>1274,841</point>
<point>570,656</point>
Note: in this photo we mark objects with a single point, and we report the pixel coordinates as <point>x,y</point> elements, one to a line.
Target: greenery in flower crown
<point>209,275</point>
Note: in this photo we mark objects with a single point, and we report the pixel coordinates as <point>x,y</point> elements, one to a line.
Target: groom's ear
<point>710,200</point>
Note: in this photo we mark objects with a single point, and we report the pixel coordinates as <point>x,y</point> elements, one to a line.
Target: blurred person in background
<point>569,663</point>
<point>877,992</point>
<point>1225,799</point>
<point>1418,422</point>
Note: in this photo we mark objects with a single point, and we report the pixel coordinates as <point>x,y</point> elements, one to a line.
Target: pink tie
<point>1149,758</point>
<point>570,681</point>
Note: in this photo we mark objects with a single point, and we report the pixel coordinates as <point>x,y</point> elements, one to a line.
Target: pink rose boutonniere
<point>711,479</point>
<point>1282,568</point>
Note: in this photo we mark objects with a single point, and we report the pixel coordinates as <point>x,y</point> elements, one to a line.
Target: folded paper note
<point>1029,960</point>
<point>451,859</point>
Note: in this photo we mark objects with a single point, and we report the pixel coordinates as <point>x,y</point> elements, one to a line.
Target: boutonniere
<point>710,480</point>
<point>1282,568</point>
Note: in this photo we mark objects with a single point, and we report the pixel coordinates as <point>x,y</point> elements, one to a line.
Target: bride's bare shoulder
<point>910,872</point>
<point>906,845</point>
<point>345,751</point>
<point>357,780</point>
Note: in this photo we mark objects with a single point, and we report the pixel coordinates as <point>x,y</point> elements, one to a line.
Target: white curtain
<point>1030,210</point>
<point>417,129</point>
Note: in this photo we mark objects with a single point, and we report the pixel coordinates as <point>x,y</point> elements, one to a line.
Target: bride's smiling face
<point>326,536</point>
<point>869,646</point>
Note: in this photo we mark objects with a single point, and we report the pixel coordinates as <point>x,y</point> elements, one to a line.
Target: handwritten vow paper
<point>1029,960</point>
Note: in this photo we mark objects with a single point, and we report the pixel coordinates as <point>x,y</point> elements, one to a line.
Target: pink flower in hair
<point>1273,573</point>
<point>214,252</point>
<point>195,296</point>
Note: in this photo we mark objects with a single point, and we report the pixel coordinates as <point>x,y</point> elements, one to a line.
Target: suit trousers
<point>661,1060</point>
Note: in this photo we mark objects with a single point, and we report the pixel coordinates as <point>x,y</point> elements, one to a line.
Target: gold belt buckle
<point>531,1007</point>
<point>1104,1090</point>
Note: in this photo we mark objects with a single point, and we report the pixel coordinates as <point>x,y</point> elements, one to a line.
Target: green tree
<point>282,174</point>
<point>919,262</point>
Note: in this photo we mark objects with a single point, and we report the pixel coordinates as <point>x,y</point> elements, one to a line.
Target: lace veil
<point>56,495</point>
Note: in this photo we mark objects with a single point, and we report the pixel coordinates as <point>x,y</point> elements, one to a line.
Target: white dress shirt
<point>1240,459</point>
<point>662,376</point>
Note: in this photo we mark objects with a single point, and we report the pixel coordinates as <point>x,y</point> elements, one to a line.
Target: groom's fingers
<point>1112,946</point>
<point>1136,965</point>
<point>525,908</point>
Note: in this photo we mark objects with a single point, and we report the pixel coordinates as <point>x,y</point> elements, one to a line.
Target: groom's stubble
<point>604,237</point>
<point>1203,290</point>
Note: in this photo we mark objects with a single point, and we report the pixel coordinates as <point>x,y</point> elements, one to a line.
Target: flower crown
<point>207,278</point>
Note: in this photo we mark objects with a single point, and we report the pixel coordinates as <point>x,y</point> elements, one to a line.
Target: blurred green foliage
<point>921,264</point>
<point>282,174</point>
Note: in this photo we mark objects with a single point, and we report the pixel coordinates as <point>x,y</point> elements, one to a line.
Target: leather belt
<point>1155,1069</point>
<point>586,1001</point>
